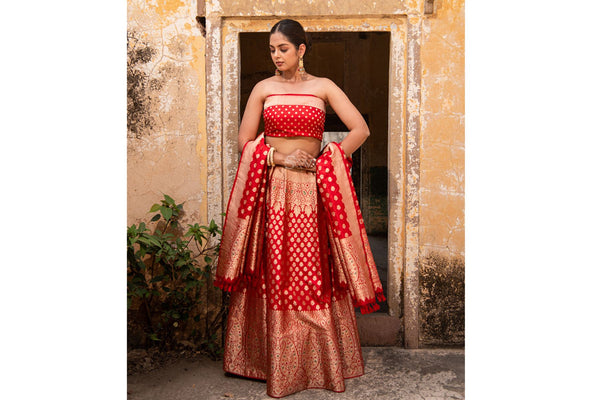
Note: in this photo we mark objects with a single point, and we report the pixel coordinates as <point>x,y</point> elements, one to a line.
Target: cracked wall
<point>442,190</point>
<point>170,149</point>
<point>166,141</point>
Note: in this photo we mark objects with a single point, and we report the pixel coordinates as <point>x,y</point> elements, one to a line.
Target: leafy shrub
<point>167,270</point>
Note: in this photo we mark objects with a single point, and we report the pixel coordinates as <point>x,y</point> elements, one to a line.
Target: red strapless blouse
<point>294,114</point>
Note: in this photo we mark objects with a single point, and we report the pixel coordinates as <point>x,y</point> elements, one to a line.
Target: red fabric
<point>283,120</point>
<point>331,196</point>
<point>353,261</point>
<point>240,254</point>
<point>254,193</point>
<point>294,257</point>
<point>334,254</point>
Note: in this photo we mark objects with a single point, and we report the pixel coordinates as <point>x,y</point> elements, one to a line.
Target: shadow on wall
<point>442,308</point>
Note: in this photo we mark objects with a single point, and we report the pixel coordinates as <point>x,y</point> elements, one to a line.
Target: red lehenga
<point>295,256</point>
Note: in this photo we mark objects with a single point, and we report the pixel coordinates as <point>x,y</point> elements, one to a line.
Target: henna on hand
<point>300,159</point>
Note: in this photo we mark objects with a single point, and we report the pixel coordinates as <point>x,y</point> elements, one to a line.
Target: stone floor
<point>390,373</point>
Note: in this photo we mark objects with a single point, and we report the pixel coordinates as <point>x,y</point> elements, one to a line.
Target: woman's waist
<point>289,133</point>
<point>287,145</point>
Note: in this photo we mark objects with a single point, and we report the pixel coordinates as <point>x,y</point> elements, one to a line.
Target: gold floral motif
<point>295,282</point>
<point>292,350</point>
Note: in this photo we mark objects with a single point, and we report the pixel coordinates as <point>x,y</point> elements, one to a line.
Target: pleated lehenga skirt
<point>292,327</point>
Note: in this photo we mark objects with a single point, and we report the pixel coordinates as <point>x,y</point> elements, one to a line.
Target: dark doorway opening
<point>358,62</point>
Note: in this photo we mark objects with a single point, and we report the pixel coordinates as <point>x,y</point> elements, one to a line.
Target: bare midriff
<point>287,145</point>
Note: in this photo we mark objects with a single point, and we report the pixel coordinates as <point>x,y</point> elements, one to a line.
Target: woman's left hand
<point>300,159</point>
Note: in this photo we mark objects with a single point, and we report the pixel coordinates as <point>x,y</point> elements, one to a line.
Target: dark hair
<point>293,31</point>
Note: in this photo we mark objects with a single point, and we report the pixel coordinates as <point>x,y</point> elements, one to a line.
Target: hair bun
<point>308,41</point>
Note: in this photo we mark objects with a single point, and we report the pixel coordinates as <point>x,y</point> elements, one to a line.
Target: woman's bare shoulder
<point>324,87</point>
<point>328,84</point>
<point>265,87</point>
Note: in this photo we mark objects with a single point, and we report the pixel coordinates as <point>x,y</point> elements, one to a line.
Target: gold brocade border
<point>292,350</point>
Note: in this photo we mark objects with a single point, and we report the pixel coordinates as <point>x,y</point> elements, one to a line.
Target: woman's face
<point>284,53</point>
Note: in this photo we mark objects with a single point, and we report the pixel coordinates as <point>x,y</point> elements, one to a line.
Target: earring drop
<point>277,72</point>
<point>301,66</point>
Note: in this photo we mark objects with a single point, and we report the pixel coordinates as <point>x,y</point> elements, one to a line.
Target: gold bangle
<point>271,157</point>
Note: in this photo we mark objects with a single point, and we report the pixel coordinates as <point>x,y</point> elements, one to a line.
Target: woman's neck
<point>290,76</point>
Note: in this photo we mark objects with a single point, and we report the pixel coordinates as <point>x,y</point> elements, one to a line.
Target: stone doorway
<point>358,62</point>
<point>397,154</point>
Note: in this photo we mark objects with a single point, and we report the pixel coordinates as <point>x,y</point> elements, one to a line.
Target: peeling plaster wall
<point>170,148</point>
<point>442,178</point>
<point>442,187</point>
<point>166,144</point>
<point>316,7</point>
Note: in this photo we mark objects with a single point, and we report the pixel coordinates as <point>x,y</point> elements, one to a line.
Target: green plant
<point>167,270</point>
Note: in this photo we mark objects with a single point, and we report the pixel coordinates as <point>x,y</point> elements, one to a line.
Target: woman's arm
<point>251,119</point>
<point>350,116</point>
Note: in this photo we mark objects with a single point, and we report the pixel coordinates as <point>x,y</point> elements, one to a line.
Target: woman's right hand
<point>298,159</point>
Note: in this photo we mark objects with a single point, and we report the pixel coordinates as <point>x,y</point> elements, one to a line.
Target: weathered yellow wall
<point>169,148</point>
<point>166,144</point>
<point>442,131</point>
<point>166,148</point>
<point>330,8</point>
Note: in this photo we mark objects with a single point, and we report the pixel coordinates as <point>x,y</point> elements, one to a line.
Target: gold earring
<point>277,72</point>
<point>301,66</point>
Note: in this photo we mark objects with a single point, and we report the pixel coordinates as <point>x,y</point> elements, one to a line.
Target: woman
<point>294,251</point>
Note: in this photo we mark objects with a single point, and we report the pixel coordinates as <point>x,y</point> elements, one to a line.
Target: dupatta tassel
<point>367,306</point>
<point>353,263</point>
<point>228,285</point>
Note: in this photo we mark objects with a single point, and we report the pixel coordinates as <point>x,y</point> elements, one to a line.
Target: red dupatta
<point>240,257</point>
<point>354,267</point>
<point>243,232</point>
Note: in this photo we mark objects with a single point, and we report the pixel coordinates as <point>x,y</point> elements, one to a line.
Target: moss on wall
<point>140,119</point>
<point>166,123</point>
<point>165,108</point>
<point>442,307</point>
